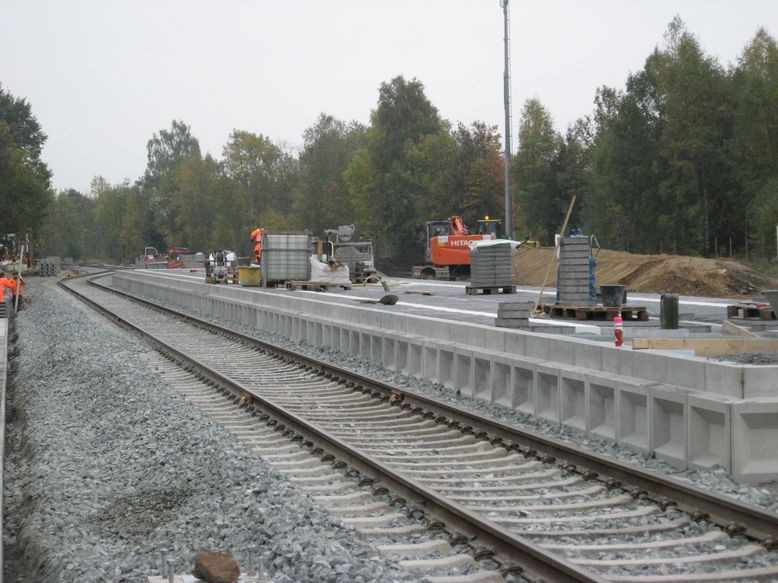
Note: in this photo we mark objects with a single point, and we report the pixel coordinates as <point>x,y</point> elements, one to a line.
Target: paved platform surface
<point>449,300</point>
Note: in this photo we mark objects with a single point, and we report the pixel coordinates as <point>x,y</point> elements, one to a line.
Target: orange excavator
<point>448,246</point>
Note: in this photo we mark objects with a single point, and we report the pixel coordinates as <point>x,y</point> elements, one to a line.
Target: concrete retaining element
<point>755,440</point>
<point>692,412</point>
<point>710,434</point>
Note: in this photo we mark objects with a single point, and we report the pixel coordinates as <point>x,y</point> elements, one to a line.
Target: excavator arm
<point>458,226</point>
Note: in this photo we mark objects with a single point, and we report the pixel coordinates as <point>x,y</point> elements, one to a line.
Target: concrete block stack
<point>49,266</point>
<point>491,265</point>
<point>513,314</point>
<point>573,282</point>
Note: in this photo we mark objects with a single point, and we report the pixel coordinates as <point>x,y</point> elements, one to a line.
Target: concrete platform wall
<point>691,412</point>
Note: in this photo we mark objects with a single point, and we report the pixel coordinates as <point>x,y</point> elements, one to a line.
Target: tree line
<point>683,159</point>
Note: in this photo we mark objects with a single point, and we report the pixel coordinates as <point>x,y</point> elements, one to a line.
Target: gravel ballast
<point>106,466</point>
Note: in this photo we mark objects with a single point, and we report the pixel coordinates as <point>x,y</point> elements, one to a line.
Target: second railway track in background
<point>481,496</point>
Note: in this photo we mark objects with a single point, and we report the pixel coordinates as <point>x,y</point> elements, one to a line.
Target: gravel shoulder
<point>106,466</point>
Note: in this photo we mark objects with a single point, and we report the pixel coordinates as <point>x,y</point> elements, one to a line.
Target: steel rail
<point>731,514</point>
<point>533,559</point>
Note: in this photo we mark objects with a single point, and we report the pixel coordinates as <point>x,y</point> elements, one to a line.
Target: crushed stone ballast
<point>235,365</point>
<point>512,485</point>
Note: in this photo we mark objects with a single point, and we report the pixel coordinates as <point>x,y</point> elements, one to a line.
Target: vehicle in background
<point>448,246</point>
<point>221,267</point>
<point>174,252</point>
<point>339,245</point>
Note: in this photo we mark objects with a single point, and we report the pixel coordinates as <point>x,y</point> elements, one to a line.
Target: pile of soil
<point>651,273</point>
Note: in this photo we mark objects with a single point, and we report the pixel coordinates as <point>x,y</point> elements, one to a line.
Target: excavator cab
<point>435,229</point>
<point>487,226</point>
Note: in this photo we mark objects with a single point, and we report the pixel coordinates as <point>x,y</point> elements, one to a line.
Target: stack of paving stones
<point>573,282</point>
<point>49,266</point>
<point>513,314</point>
<point>491,266</point>
<point>67,261</point>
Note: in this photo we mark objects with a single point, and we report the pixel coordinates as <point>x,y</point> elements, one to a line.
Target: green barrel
<point>668,312</point>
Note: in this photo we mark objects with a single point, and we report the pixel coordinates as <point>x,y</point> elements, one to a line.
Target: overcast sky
<point>104,75</point>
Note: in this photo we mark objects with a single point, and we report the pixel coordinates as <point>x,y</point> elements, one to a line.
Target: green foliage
<point>685,156</point>
<point>24,197</point>
<point>24,178</point>
<point>478,187</point>
<point>752,152</point>
<point>263,177</point>
<point>763,217</point>
<point>67,226</point>
<point>26,133</point>
<point>623,180</point>
<point>659,169</point>
<point>166,152</point>
<point>387,185</point>
<point>534,175</point>
<point>321,199</point>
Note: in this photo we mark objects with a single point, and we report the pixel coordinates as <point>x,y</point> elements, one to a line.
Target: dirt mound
<point>651,273</point>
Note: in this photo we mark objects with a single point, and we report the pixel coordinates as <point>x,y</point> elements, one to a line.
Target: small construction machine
<point>151,259</point>
<point>339,245</point>
<point>221,267</point>
<point>149,254</point>
<point>448,246</point>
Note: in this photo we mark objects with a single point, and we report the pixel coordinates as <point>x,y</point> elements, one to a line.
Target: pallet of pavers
<point>637,313</point>
<point>751,311</point>
<point>474,290</point>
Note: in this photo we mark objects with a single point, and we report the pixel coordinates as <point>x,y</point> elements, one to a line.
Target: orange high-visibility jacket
<point>256,235</point>
<point>6,283</point>
<point>16,285</point>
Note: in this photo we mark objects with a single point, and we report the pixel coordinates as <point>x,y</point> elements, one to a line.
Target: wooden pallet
<point>505,289</point>
<point>634,313</point>
<point>312,285</point>
<point>751,312</point>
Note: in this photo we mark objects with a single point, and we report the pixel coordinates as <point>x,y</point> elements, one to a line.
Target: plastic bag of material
<point>333,272</point>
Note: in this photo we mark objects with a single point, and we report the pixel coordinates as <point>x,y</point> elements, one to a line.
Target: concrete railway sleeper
<point>526,503</point>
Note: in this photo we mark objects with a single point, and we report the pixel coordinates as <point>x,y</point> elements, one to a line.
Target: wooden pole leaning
<point>539,302</point>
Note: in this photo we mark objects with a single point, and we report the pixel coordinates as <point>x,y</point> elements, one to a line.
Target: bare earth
<point>652,273</point>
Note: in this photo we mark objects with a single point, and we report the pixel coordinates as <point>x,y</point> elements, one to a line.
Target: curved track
<point>478,477</point>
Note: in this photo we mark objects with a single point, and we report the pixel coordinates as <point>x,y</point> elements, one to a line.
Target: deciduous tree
<point>321,199</point>
<point>540,202</point>
<point>24,178</point>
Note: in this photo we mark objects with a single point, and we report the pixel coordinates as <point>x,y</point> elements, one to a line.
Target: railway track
<point>451,494</point>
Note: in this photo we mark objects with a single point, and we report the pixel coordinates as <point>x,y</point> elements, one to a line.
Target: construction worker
<point>256,237</point>
<point>16,286</point>
<point>5,284</point>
